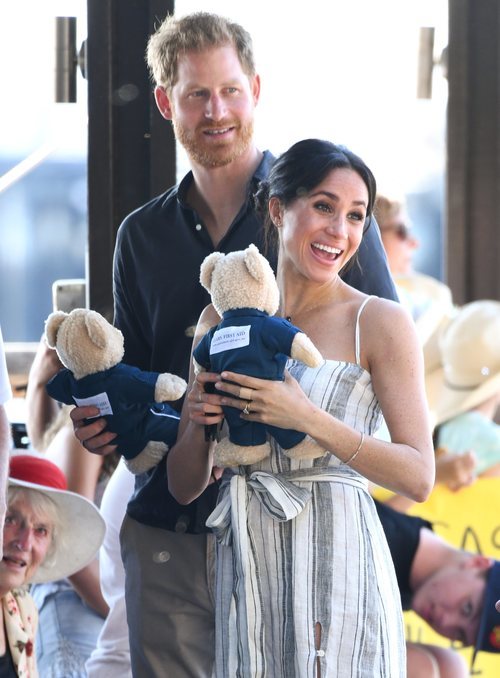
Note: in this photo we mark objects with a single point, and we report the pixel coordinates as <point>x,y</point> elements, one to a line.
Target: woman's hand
<point>204,406</point>
<point>45,364</point>
<point>278,403</point>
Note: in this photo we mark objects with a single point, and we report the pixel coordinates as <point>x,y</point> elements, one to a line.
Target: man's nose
<point>448,621</point>
<point>216,107</point>
<point>413,242</point>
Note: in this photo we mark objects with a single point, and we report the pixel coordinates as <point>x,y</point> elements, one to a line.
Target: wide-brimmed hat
<point>488,635</point>
<point>470,361</point>
<point>81,526</point>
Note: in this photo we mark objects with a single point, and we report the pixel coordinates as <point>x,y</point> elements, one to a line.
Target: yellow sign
<point>468,519</point>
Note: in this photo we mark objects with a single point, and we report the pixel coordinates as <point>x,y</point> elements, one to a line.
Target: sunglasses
<point>402,231</point>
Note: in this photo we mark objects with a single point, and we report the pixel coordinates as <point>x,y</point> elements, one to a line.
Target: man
<point>454,591</point>
<point>5,436</point>
<point>206,84</point>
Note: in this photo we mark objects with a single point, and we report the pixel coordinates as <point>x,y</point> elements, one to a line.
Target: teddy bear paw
<point>307,449</point>
<point>227,453</point>
<point>169,387</point>
<point>150,456</point>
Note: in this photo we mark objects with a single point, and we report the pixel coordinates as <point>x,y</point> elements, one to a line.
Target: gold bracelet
<point>348,461</point>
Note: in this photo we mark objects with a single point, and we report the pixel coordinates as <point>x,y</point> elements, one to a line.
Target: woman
<point>49,533</point>
<point>5,431</point>
<point>72,610</point>
<point>305,582</point>
<point>399,241</point>
<point>426,298</point>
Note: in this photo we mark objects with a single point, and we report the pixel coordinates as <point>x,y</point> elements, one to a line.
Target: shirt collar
<point>260,173</point>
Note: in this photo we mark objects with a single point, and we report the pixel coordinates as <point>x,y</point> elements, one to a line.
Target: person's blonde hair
<point>195,32</point>
<point>44,508</point>
<point>386,209</point>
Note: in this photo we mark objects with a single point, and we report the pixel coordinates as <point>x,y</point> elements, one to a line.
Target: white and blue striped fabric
<point>299,544</point>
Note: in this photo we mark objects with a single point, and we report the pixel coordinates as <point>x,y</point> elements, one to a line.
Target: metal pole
<point>66,59</point>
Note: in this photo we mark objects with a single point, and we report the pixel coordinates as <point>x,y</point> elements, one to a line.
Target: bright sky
<point>347,71</point>
<point>342,70</point>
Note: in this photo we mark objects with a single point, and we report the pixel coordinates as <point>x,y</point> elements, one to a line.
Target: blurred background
<point>342,71</point>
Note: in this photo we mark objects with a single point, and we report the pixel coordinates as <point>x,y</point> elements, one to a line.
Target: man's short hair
<point>195,32</point>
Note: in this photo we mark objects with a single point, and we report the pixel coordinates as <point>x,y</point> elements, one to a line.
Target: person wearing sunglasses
<point>398,239</point>
<point>426,298</point>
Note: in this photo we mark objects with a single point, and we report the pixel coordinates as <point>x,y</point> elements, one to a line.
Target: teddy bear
<point>131,400</point>
<point>251,340</point>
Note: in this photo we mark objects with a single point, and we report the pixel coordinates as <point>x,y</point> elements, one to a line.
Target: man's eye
<point>467,609</point>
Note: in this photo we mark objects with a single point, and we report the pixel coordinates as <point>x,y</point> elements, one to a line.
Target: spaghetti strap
<point>357,342</point>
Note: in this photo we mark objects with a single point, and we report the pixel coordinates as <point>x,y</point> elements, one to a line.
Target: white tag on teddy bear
<point>230,337</point>
<point>99,400</point>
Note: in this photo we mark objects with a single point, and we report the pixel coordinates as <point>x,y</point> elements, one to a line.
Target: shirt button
<point>182,523</point>
<point>320,653</point>
<point>198,227</point>
<point>161,556</point>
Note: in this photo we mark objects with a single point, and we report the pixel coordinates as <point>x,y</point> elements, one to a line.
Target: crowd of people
<point>286,567</point>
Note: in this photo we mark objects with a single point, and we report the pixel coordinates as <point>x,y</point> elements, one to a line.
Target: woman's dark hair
<point>299,170</point>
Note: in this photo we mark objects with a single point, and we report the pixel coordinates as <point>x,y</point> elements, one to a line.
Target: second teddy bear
<point>131,400</point>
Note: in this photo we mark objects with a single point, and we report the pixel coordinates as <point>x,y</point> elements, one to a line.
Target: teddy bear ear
<point>207,268</point>
<point>97,328</point>
<point>52,325</point>
<point>255,263</point>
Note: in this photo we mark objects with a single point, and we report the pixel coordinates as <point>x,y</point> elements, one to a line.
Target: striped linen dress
<point>299,544</point>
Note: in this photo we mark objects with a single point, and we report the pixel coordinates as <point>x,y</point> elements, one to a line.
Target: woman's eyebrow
<point>334,196</point>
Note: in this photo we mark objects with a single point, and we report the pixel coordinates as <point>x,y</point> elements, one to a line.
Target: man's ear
<point>479,562</point>
<point>255,85</point>
<point>163,103</point>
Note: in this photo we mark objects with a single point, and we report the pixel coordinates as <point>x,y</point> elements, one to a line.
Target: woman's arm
<point>87,584</point>
<point>190,460</point>
<point>41,409</point>
<point>391,350</point>
<point>82,470</point>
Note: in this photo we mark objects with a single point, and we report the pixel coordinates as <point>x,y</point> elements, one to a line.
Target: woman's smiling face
<point>27,538</point>
<point>322,230</point>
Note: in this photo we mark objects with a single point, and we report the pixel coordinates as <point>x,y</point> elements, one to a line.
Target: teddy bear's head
<point>242,279</point>
<point>85,341</point>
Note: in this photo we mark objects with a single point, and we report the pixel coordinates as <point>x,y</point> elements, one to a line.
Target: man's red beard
<point>213,154</point>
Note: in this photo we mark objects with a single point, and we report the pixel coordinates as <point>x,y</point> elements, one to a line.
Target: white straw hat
<point>81,528</point>
<point>470,361</point>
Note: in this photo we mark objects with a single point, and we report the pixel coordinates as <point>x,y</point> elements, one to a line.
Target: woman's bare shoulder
<point>387,323</point>
<point>379,310</point>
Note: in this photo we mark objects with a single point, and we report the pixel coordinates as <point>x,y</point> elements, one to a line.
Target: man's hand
<point>455,470</point>
<point>93,435</point>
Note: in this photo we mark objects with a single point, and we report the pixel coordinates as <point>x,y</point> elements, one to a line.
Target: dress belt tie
<point>281,498</point>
